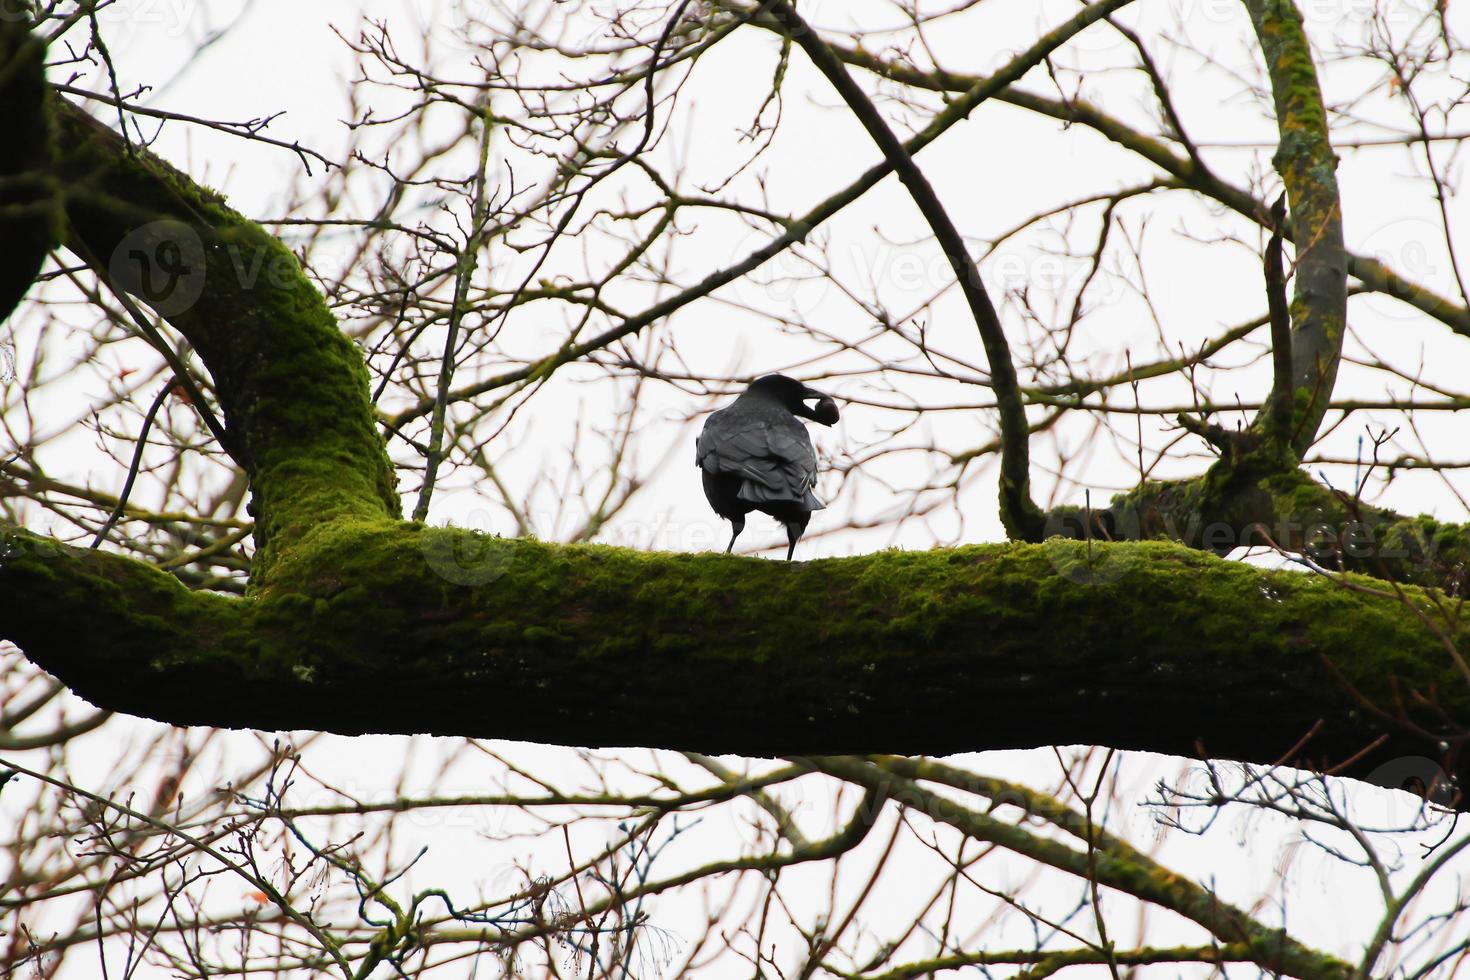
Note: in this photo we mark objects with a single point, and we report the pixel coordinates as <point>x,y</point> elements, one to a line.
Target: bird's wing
<point>773,457</point>
<point>708,441</point>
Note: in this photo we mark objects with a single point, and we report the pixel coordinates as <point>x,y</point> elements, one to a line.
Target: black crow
<point>755,455</point>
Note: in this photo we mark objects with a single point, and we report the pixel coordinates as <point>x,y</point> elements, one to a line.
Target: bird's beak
<point>825,411</point>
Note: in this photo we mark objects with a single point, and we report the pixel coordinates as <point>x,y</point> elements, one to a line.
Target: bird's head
<point>794,396</point>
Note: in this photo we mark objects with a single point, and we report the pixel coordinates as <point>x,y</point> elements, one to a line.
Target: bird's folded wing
<point>773,461</point>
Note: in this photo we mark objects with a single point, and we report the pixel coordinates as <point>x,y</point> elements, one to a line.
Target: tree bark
<point>292,388</point>
<point>1228,508</point>
<point>1308,167</point>
<point>28,208</point>
<point>395,627</point>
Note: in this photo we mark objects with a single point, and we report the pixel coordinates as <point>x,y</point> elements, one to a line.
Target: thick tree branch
<point>29,209</point>
<point>1308,167</point>
<point>1229,508</point>
<point>292,387</point>
<point>394,627</point>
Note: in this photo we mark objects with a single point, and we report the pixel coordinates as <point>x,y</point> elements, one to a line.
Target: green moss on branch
<point>1308,166</point>
<point>1229,508</point>
<point>292,387</point>
<point>379,626</point>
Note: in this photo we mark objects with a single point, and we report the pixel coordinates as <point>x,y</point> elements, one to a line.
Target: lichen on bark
<point>1308,167</point>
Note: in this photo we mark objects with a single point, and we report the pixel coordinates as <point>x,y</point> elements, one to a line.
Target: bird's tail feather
<point>756,493</point>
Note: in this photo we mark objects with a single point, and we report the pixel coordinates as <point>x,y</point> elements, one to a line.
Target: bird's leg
<point>738,526</point>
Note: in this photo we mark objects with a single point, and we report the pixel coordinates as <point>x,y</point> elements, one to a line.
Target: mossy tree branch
<point>1225,509</point>
<point>292,387</point>
<point>1308,167</point>
<point>1255,494</point>
<point>395,627</point>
